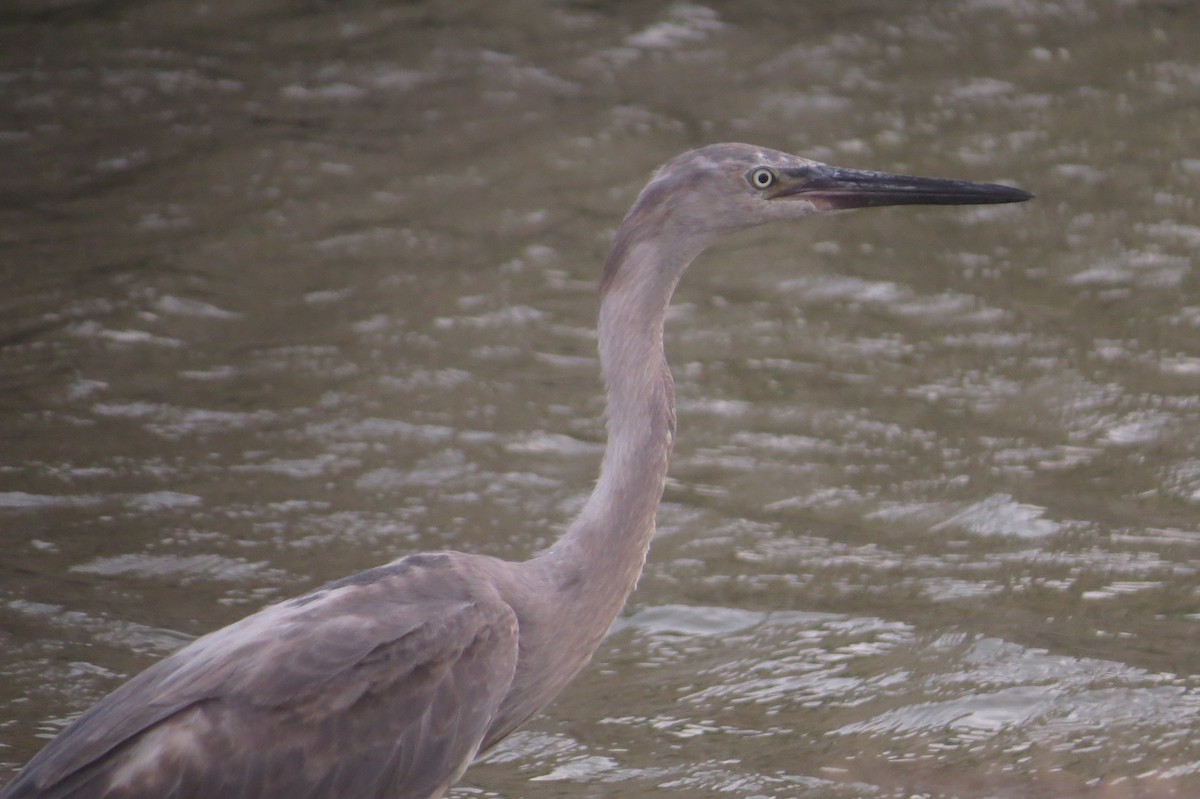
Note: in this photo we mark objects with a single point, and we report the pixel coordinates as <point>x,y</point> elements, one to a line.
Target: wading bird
<point>389,683</point>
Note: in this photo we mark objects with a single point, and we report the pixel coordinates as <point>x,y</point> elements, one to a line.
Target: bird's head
<point>727,187</point>
<point>704,194</point>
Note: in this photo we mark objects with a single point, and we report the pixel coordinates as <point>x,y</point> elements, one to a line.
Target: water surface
<point>294,289</point>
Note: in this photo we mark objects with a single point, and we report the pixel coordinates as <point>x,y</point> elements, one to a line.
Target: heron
<point>388,683</point>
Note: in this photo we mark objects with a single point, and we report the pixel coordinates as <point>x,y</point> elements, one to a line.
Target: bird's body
<point>388,683</point>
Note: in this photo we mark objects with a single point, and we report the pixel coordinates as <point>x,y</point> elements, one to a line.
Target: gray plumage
<point>388,683</point>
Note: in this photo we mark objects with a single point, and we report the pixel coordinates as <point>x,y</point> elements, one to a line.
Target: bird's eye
<point>762,178</point>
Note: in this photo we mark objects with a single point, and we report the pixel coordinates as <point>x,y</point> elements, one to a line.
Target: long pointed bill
<point>833,188</point>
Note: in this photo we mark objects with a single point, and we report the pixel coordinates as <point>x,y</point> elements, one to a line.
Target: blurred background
<point>290,289</point>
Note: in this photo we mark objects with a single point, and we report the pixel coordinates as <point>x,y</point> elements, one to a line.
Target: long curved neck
<point>567,597</point>
<point>596,564</point>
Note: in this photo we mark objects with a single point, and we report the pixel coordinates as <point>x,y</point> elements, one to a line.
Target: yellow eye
<point>762,178</point>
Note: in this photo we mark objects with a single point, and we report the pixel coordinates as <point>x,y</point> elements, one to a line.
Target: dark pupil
<point>762,178</point>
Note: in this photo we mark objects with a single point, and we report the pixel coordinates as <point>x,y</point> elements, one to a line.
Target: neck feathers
<point>603,552</point>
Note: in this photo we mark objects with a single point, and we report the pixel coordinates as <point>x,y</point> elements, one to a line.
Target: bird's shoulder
<point>434,596</point>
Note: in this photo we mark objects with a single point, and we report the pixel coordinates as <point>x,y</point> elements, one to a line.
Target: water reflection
<point>288,294</point>
<point>884,706</point>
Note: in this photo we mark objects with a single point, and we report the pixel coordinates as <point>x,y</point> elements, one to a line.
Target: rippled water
<point>292,289</point>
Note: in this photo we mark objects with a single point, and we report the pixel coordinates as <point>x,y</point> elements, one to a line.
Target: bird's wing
<point>382,685</point>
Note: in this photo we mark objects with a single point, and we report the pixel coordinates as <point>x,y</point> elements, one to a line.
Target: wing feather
<point>380,686</point>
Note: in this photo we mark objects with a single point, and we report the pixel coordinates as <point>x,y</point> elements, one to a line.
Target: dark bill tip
<point>836,189</point>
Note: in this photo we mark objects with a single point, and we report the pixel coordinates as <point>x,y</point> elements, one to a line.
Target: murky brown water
<point>291,289</point>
